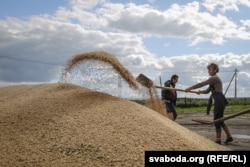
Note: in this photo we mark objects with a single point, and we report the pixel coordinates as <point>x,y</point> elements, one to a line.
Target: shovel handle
<point>222,119</point>
<point>232,116</point>
<point>169,88</point>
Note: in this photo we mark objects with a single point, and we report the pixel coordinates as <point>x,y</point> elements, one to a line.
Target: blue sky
<point>12,8</point>
<point>155,37</point>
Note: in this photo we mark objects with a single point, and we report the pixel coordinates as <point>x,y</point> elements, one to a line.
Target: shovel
<point>222,119</point>
<point>145,81</point>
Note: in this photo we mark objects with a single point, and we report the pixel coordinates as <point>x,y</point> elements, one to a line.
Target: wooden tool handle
<point>232,116</point>
<point>169,88</point>
<point>222,119</point>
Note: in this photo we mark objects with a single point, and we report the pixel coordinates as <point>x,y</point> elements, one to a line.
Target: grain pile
<point>67,125</point>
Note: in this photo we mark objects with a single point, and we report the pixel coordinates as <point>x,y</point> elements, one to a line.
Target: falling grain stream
<point>153,102</point>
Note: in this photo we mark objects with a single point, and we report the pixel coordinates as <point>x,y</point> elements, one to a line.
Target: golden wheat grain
<point>105,57</point>
<point>154,102</point>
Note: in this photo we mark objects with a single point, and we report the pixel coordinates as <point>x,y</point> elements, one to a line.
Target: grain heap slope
<point>67,125</point>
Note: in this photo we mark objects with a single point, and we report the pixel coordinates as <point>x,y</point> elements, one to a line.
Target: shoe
<point>229,139</point>
<point>217,141</point>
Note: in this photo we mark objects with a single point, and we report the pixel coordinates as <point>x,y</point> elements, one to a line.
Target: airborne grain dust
<point>155,102</point>
<point>105,59</point>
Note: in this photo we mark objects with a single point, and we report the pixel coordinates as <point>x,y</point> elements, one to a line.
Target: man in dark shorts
<point>215,86</point>
<point>170,96</point>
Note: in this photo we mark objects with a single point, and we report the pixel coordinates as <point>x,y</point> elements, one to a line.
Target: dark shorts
<point>170,108</point>
<point>219,107</point>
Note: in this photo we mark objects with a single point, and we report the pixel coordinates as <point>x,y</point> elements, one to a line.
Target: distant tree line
<point>202,102</point>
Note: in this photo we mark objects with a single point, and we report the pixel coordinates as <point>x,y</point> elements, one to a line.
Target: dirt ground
<point>239,127</point>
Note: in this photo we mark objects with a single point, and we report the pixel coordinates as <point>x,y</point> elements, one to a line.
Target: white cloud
<point>245,23</point>
<point>192,69</point>
<point>184,21</point>
<point>225,5</point>
<point>120,30</point>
